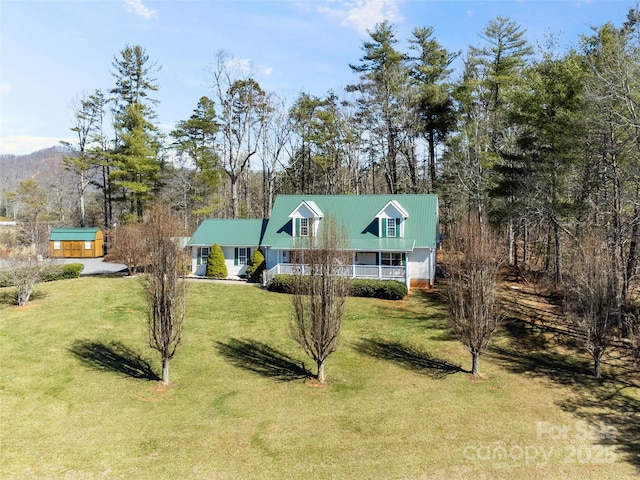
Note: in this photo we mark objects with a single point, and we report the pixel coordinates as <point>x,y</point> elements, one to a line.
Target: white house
<point>390,236</point>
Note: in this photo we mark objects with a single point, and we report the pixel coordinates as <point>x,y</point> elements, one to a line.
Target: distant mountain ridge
<point>44,166</point>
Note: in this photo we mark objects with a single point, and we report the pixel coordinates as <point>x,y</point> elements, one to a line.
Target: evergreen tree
<point>433,103</point>
<point>551,116</point>
<point>610,193</point>
<point>324,137</point>
<point>137,147</point>
<point>384,103</point>
<point>480,153</point>
<point>216,268</point>
<point>256,265</point>
<point>195,138</point>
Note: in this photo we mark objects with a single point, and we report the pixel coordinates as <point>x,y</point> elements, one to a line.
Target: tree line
<point>543,144</point>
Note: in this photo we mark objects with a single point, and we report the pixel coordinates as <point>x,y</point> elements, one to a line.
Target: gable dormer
<point>391,220</point>
<point>305,219</point>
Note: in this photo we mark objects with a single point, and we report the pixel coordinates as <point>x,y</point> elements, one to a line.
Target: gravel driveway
<point>94,266</point>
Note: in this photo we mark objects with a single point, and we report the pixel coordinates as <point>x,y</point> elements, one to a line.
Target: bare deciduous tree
<point>320,294</point>
<point>242,105</point>
<point>129,246</point>
<point>471,291</point>
<point>164,284</point>
<point>23,272</point>
<point>591,302</point>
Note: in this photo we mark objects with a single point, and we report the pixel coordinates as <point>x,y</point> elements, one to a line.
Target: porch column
<point>353,264</point>
<point>406,272</point>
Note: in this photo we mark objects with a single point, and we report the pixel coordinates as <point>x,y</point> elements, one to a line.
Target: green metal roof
<point>357,214</point>
<point>228,232</point>
<point>68,234</point>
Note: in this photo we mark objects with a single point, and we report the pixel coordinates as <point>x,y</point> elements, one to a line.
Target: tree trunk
<point>432,161</point>
<point>511,239</point>
<point>165,371</point>
<point>525,239</point>
<point>547,255</point>
<point>633,245</point>
<point>81,199</point>
<point>265,189</point>
<point>320,377</point>
<point>474,364</point>
<point>597,355</point>
<point>557,276</point>
<point>107,217</point>
<point>235,203</point>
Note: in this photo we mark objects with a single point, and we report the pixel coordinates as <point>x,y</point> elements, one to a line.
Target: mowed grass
<point>79,399</point>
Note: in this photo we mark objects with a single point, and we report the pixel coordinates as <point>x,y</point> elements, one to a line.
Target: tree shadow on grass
<point>563,369</point>
<point>608,402</point>
<point>113,357</point>
<point>408,357</point>
<point>260,358</point>
<point>613,414</point>
<point>423,309</point>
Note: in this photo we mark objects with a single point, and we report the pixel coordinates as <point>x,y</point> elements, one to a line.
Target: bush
<point>62,272</point>
<point>384,289</point>
<point>256,265</point>
<point>216,268</point>
<point>50,274</point>
<point>282,283</point>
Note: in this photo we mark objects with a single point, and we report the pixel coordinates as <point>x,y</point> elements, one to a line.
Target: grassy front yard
<point>79,399</point>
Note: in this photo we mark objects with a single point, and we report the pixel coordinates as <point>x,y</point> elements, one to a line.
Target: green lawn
<point>79,399</point>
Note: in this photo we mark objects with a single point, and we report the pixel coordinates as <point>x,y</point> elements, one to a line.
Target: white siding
<point>271,258</point>
<point>421,264</point>
<point>229,260</point>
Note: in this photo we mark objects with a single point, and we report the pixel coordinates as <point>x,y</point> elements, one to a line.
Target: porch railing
<point>380,272</point>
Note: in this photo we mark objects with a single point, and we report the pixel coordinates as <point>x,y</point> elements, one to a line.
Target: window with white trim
<point>242,256</point>
<point>56,245</point>
<point>391,227</point>
<point>304,227</point>
<point>203,255</point>
<point>87,245</point>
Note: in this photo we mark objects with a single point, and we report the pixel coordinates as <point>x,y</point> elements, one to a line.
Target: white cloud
<point>363,15</point>
<point>136,6</point>
<point>166,128</point>
<point>242,64</point>
<point>26,144</point>
<point>245,66</point>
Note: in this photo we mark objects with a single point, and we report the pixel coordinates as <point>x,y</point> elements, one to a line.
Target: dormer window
<point>391,220</point>
<point>391,227</point>
<point>305,219</point>
<point>304,227</point>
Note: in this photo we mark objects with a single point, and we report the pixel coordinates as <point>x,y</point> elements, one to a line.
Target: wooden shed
<point>76,243</point>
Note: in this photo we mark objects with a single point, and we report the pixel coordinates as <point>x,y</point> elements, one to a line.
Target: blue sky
<point>54,51</point>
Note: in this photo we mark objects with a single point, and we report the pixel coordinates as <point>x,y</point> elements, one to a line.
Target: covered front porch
<point>371,265</point>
